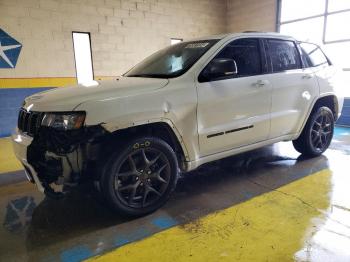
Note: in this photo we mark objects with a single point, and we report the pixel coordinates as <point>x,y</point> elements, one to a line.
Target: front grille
<point>29,122</point>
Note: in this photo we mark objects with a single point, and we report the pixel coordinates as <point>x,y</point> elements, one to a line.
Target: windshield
<point>172,61</point>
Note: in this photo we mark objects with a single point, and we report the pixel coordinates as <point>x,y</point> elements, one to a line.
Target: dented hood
<point>68,98</point>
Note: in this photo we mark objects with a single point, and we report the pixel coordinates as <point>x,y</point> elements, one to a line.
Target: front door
<point>234,109</point>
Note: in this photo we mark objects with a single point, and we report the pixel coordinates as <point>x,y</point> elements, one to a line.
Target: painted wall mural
<point>10,49</point>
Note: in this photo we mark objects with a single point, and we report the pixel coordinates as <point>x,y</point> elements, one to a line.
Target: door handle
<point>260,83</point>
<point>307,76</point>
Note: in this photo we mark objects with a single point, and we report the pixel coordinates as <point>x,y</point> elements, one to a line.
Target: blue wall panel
<point>10,101</point>
<point>344,119</point>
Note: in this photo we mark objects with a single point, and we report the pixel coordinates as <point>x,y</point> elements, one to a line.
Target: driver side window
<point>245,54</point>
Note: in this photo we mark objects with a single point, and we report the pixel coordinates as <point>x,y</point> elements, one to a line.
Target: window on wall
<point>298,9</point>
<point>83,58</point>
<point>335,29</point>
<point>323,22</point>
<point>174,41</point>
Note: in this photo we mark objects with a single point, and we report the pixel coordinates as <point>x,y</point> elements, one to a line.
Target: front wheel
<point>317,133</point>
<point>140,176</point>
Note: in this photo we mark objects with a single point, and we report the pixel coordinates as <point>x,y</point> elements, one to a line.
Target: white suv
<point>186,105</point>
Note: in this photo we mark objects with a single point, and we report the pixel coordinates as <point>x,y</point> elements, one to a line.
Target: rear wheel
<point>317,134</point>
<point>139,178</point>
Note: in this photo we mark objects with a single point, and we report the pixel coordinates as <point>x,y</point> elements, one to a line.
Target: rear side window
<point>246,54</point>
<point>284,55</point>
<point>313,55</point>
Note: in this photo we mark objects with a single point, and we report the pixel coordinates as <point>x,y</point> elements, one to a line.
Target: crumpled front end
<point>55,160</point>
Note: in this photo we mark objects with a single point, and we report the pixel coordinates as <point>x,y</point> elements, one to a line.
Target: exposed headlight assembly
<point>64,121</point>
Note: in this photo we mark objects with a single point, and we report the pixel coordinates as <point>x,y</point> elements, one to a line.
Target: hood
<point>68,98</point>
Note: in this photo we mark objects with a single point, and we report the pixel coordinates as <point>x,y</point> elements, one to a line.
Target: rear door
<point>294,87</point>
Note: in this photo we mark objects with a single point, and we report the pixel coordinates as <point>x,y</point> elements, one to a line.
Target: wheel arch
<point>163,129</point>
<point>329,100</point>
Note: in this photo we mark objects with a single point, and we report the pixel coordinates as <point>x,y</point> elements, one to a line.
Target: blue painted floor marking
<point>164,222</point>
<point>76,254</point>
<point>82,252</point>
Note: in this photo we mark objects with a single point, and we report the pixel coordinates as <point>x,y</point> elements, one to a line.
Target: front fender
<point>111,127</point>
<point>175,107</point>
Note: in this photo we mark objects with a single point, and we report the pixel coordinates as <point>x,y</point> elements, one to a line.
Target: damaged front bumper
<point>20,143</point>
<point>56,162</point>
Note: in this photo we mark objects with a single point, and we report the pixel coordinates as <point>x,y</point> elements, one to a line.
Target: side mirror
<point>219,68</point>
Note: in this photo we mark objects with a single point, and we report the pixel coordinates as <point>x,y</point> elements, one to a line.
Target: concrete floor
<point>270,204</point>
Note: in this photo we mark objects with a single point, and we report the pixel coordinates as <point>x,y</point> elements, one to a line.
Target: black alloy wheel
<point>317,134</point>
<point>322,131</point>
<point>140,177</point>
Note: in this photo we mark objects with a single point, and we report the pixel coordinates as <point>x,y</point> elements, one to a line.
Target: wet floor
<point>34,228</point>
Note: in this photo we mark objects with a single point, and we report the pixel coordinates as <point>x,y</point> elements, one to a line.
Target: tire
<point>140,177</point>
<point>317,133</point>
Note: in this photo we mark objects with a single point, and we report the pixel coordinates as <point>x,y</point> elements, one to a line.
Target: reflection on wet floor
<point>35,228</point>
<point>330,239</point>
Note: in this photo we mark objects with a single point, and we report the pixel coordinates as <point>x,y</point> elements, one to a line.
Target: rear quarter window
<point>313,55</point>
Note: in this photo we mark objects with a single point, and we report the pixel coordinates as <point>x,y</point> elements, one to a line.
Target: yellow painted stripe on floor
<point>8,161</point>
<point>270,227</point>
<point>42,82</point>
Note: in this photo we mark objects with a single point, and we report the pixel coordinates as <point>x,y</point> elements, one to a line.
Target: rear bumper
<point>21,142</point>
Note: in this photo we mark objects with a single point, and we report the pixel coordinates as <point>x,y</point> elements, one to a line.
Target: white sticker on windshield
<point>197,45</point>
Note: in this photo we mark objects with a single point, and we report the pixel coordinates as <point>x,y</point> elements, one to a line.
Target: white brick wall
<point>259,15</point>
<point>122,31</point>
